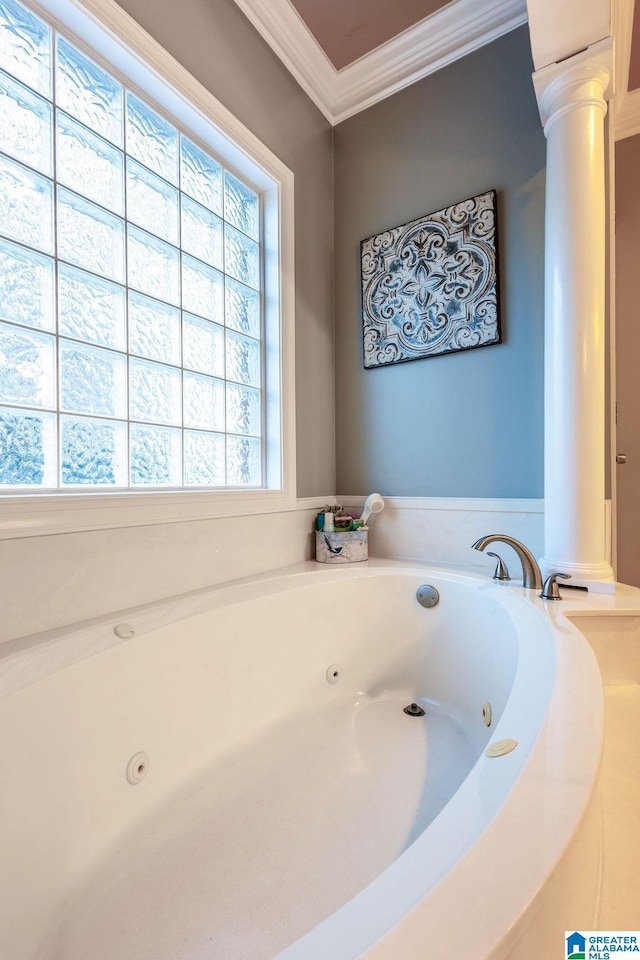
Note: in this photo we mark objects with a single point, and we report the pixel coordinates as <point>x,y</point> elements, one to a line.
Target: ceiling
<point>348,29</point>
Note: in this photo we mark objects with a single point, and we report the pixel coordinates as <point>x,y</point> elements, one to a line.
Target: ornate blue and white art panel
<point>431,286</point>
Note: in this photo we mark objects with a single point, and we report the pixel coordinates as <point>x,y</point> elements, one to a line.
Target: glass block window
<point>131,292</point>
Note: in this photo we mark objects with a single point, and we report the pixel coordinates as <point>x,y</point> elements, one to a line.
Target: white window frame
<point>103,27</point>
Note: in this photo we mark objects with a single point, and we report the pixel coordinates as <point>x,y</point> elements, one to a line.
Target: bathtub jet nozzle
<point>413,710</point>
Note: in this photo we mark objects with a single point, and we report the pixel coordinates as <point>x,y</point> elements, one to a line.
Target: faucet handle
<point>550,590</point>
<point>500,572</point>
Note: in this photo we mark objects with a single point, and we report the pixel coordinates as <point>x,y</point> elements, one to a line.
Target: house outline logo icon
<point>576,946</point>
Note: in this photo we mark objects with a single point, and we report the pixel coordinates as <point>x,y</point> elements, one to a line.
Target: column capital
<point>584,79</point>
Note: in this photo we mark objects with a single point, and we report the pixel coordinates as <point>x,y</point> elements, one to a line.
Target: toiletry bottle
<point>329,526</point>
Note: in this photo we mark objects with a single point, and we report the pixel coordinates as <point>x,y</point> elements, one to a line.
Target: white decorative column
<point>572,96</point>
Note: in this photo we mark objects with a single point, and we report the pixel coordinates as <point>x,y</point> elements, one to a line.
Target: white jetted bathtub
<point>230,775</point>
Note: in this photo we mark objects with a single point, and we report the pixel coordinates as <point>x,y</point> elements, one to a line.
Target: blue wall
<point>468,424</point>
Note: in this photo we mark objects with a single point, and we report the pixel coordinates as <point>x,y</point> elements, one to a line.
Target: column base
<point>596,577</point>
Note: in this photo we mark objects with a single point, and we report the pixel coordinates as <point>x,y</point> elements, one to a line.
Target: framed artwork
<point>431,286</point>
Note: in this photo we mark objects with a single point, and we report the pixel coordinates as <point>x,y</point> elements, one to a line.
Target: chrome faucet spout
<point>531,575</point>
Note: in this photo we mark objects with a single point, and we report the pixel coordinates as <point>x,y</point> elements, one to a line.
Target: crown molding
<point>279,23</point>
<point>447,35</point>
<point>626,122</point>
<point>453,32</point>
<point>625,108</point>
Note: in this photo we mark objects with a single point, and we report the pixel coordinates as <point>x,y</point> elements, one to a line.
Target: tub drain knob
<point>413,710</point>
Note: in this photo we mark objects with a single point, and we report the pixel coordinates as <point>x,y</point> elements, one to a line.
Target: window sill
<point>41,515</point>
